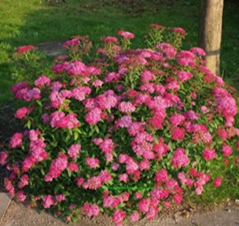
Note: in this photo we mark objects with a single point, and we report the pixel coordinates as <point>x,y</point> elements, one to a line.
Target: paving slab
<point>5,201</point>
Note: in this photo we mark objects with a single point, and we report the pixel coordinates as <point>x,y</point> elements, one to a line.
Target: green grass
<point>33,21</point>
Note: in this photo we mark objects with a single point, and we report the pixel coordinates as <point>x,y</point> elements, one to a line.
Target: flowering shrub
<point>127,133</point>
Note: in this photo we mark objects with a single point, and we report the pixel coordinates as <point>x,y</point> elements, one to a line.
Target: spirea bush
<point>123,131</point>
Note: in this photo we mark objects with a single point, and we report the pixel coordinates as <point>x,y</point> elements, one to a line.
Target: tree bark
<point>210,32</point>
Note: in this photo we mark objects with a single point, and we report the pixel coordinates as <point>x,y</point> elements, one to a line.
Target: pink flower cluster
<point>57,166</point>
<point>24,49</point>
<point>96,182</point>
<point>130,117</point>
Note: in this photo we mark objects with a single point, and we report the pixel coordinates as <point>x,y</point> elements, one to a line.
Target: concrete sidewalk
<point>18,214</point>
<point>5,201</point>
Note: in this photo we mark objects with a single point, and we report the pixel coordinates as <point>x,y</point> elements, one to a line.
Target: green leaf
<point>42,171</point>
<point>76,135</point>
<point>39,103</point>
<point>97,129</point>
<point>57,188</point>
<point>156,139</point>
<point>28,124</point>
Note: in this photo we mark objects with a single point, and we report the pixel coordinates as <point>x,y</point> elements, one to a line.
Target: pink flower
<point>209,154</point>
<point>173,85</point>
<point>110,39</point>
<point>24,49</point>
<point>124,197</point>
<point>105,176</point>
<point>126,107</point>
<point>61,58</point>
<point>28,163</point>
<point>80,92</point>
<point>131,166</point>
<point>97,83</point>
<point>56,86</point>
<point>92,162</point>
<point>167,49</point>
<point>198,51</point>
<point>149,87</point>
<point>180,159</point>
<point>73,167</point>
<point>57,166</point>
<point>217,182</point>
<point>22,112</point>
<point>72,206</point>
<point>3,157</point>
<point>111,201</point>
<point>134,217</point>
<point>46,118</point>
<point>161,176</point>
<point>124,177</point>
<point>76,68</point>
<point>23,181</point>
<point>93,116</point>
<point>193,172</point>
<point>97,141</point>
<point>16,140</point>
<point>92,210</point>
<point>144,164</point>
<point>69,121</point>
<point>177,198</point>
<point>33,136</point>
<point>115,166</point>
<point>161,149</point>
<point>199,190</point>
<point>166,204</point>
<point>80,181</point>
<point>68,218</point>
<point>74,150</point>
<point>118,216</point>
<point>95,210</point>
<point>124,122</point>
<point>48,201</point>
<point>17,87</point>
<point>107,145</point>
<point>93,183</point>
<point>157,26</point>
<point>226,106</point>
<point>20,196</point>
<point>143,205</point>
<point>42,80</point>
<point>182,177</point>
<point>73,42</point>
<point>138,195</point>
<point>32,94</point>
<point>126,34</point>
<point>60,197</point>
<point>226,150</point>
<point>179,30</point>
<point>147,75</point>
<point>159,194</point>
<point>152,213</point>
<point>178,133</point>
<point>184,76</point>
<point>176,119</point>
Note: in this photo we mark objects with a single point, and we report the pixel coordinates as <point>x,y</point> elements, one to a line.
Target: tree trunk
<point>210,32</point>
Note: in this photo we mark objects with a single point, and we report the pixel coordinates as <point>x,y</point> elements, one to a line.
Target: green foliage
<point>121,130</point>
